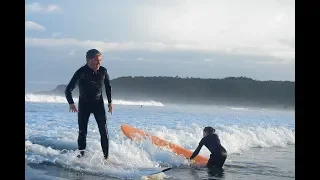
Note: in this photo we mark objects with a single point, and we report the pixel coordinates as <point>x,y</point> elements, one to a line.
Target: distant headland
<point>229,91</point>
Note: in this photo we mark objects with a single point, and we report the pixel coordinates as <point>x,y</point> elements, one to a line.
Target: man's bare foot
<point>81,154</point>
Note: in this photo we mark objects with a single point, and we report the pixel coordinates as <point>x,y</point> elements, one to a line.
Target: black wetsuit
<point>91,101</point>
<point>218,153</point>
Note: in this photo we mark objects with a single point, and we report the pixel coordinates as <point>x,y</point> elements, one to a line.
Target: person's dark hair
<point>92,53</point>
<point>209,130</point>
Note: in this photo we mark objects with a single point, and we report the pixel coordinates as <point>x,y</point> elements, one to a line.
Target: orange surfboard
<point>136,134</point>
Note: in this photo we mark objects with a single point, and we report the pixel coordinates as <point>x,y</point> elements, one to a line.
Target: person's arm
<point>108,86</point>
<point>70,87</point>
<point>196,152</point>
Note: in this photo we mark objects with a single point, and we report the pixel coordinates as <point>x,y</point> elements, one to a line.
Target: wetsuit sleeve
<point>196,152</point>
<point>107,86</point>
<point>72,84</point>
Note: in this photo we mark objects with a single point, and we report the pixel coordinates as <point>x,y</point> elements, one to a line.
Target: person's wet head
<point>208,130</point>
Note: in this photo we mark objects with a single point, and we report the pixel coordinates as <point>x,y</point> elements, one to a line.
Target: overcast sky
<point>194,38</point>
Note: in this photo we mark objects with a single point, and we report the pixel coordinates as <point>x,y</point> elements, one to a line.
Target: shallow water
<point>260,142</point>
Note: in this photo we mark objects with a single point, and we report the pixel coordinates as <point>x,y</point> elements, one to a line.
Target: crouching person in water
<point>212,142</point>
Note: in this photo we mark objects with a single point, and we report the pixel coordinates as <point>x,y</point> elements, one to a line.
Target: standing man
<point>91,77</point>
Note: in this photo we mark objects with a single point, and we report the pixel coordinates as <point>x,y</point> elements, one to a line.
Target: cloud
<point>116,58</point>
<point>72,52</point>
<point>230,27</point>
<point>140,59</point>
<point>38,8</point>
<point>207,60</point>
<point>266,28</point>
<point>278,62</point>
<point>213,20</point>
<point>241,37</point>
<point>29,25</point>
<point>276,49</point>
<point>56,35</point>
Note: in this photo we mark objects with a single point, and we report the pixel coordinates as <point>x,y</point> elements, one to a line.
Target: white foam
<point>234,138</point>
<point>128,157</point>
<point>127,160</point>
<point>61,99</point>
<point>238,108</point>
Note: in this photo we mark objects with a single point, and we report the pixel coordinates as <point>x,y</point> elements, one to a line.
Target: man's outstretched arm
<point>108,87</point>
<point>72,84</point>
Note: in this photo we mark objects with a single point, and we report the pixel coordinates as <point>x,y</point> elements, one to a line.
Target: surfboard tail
<point>137,134</point>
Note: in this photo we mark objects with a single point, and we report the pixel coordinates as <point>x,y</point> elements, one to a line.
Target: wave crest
<point>61,99</point>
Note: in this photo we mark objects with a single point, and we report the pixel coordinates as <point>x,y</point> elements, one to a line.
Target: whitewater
<point>260,142</point>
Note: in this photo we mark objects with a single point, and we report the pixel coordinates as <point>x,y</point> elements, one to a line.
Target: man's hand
<point>110,106</point>
<point>73,108</point>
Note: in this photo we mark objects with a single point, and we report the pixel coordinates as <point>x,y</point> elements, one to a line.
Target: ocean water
<point>260,142</point>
